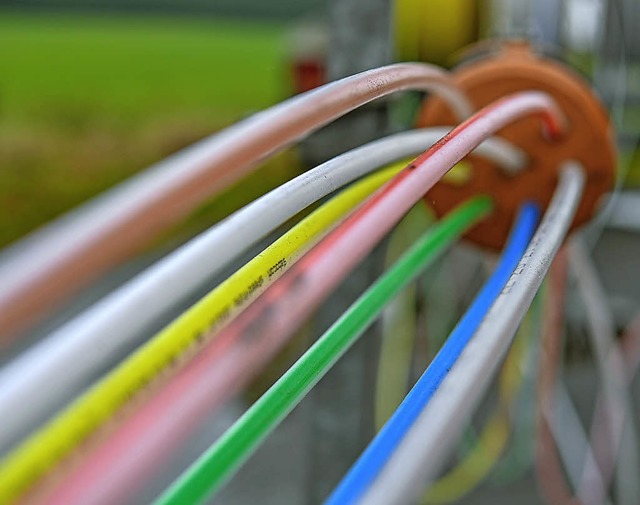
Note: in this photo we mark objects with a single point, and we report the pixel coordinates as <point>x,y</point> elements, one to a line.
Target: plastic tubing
<point>519,453</point>
<point>492,441</point>
<point>399,322</point>
<point>376,455</point>
<point>423,450</point>
<point>50,372</point>
<point>69,429</point>
<point>49,265</point>
<point>605,451</point>
<point>244,347</point>
<point>599,455</point>
<point>221,461</point>
<point>615,432</point>
<point>574,446</point>
<point>548,466</point>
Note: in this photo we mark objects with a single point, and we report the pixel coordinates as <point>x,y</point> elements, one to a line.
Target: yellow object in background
<point>433,30</point>
<point>492,441</point>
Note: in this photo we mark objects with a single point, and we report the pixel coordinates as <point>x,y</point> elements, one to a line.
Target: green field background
<point>87,100</point>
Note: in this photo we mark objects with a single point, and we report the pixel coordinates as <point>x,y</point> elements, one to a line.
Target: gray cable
<point>620,430</point>
<point>574,446</point>
<point>53,261</point>
<point>39,381</point>
<point>423,450</point>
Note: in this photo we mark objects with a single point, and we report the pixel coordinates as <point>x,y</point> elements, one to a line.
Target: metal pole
<point>340,407</point>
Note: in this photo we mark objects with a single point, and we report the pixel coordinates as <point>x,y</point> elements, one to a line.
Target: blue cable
<point>365,470</point>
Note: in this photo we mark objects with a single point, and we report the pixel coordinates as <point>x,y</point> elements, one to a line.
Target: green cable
<point>206,475</point>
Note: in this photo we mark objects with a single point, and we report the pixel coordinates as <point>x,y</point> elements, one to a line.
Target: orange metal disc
<point>589,140</point>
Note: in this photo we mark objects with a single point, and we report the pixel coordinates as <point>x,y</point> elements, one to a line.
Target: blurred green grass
<point>135,68</point>
<point>86,101</point>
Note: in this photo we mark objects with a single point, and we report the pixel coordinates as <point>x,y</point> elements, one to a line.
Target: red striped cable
<point>40,271</point>
<point>123,463</point>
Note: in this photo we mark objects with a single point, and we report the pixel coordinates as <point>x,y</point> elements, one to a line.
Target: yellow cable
<point>47,447</point>
<point>399,323</point>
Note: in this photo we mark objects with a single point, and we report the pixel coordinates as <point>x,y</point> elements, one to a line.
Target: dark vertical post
<point>340,408</point>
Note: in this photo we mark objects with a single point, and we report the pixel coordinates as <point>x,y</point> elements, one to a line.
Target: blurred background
<point>92,92</point>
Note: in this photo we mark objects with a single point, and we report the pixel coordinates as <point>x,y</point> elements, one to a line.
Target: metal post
<point>340,408</point>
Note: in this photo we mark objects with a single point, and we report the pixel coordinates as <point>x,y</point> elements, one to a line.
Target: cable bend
<point>94,339</point>
<point>244,347</point>
<point>48,266</point>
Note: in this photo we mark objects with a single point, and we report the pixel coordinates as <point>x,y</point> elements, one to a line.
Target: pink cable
<point>605,432</point>
<point>56,261</point>
<point>611,405</point>
<point>547,462</point>
<point>629,351</point>
<point>606,429</point>
<point>121,464</point>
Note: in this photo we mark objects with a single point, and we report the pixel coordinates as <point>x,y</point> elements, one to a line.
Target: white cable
<point>423,450</point>
<point>45,376</point>
<point>53,261</point>
<point>574,446</point>
<point>620,428</point>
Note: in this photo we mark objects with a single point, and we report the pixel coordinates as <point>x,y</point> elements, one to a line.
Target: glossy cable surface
<point>516,460</point>
<point>52,263</point>
<point>562,435</point>
<point>547,463</point>
<point>614,432</point>
<point>242,349</point>
<point>492,441</point>
<point>376,455</point>
<point>164,351</point>
<point>223,459</point>
<point>420,454</point>
<point>50,371</point>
